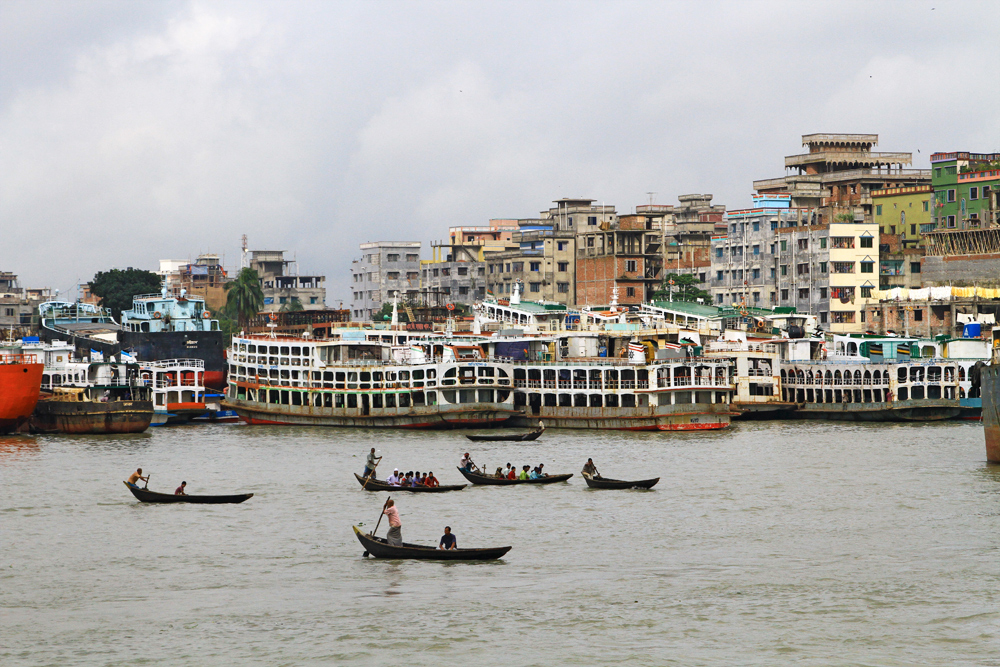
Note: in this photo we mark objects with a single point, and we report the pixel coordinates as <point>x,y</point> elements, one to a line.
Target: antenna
<point>652,196</point>
<point>243,257</point>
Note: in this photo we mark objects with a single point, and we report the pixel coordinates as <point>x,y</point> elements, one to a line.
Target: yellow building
<point>853,274</point>
<point>904,212</point>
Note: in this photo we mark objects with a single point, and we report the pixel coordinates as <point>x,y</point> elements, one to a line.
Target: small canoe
<point>378,485</point>
<point>516,437</point>
<point>489,480</point>
<point>380,548</point>
<point>153,497</point>
<point>606,483</point>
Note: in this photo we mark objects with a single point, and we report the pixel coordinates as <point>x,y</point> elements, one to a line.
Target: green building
<point>904,212</point>
<point>965,190</point>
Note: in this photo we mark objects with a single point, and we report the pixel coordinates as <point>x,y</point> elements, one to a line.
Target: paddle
<point>365,485</point>
<point>147,483</point>
<point>377,524</point>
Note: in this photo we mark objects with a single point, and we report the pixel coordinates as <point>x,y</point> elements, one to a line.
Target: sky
<point>137,131</point>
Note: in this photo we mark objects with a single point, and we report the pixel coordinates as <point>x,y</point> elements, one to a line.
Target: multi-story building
<point>966,187</point>
<point>626,255</point>
<point>687,231</point>
<point>456,272</point>
<point>283,286</point>
<point>838,175</point>
<point>545,258</point>
<point>744,258</point>
<point>385,269</point>
<point>903,216</point>
<point>19,305</point>
<point>204,277</point>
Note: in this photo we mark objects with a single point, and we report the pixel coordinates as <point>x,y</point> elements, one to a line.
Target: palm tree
<point>244,297</point>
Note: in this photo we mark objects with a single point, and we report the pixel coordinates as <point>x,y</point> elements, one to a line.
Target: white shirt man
<point>393,478</point>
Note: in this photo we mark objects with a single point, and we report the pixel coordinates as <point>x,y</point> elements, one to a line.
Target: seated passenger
<point>431,480</point>
<point>542,473</point>
<point>534,473</point>
<point>393,479</point>
<point>416,479</point>
<point>499,473</point>
<point>524,473</point>
<point>448,540</point>
<point>512,473</point>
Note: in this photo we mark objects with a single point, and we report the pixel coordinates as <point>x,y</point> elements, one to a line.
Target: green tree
<point>385,315</point>
<point>117,287</point>
<point>244,297</point>
<point>685,289</point>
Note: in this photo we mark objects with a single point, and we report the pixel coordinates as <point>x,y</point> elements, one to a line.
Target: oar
<point>377,524</point>
<point>365,485</point>
<point>147,482</point>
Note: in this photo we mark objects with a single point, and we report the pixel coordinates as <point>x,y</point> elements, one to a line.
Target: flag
<point>95,355</point>
<point>127,358</point>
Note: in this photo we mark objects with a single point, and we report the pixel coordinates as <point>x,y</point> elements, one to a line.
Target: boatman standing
<point>135,477</point>
<point>395,535</point>
<point>371,463</point>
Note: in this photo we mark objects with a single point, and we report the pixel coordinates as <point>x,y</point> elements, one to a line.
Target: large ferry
<point>20,385</point>
<point>175,326</point>
<point>380,379</point>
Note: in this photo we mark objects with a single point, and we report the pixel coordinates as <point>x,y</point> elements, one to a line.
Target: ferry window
<point>467,396</point>
<point>580,400</point>
<point>431,373</point>
<point>328,400</point>
<point>550,400</point>
<point>485,395</point>
<point>390,376</point>
<point>352,400</point>
<point>296,398</point>
<point>377,376</point>
<point>366,376</point>
<point>432,398</point>
<point>483,372</point>
<point>418,375</point>
<point>296,351</point>
<point>376,400</point>
<point>404,400</point>
<point>404,375</point>
<point>390,400</point>
<point>451,372</point>
<point>628,400</point>
<point>611,400</point>
<point>449,395</point>
<point>901,375</point>
<point>595,400</point>
<point>273,350</point>
<point>565,400</point>
<point>284,350</point>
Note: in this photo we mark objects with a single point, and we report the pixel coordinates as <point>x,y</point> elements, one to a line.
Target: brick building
<point>627,255</point>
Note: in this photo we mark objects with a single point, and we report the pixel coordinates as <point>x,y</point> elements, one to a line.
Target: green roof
<point>696,309</point>
<point>532,307</point>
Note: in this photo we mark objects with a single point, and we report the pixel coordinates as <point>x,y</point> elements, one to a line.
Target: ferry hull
<point>207,346</point>
<point>433,418</point>
<point>20,386</point>
<point>695,417</point>
<point>898,411</point>
<point>92,417</point>
<point>990,383</point>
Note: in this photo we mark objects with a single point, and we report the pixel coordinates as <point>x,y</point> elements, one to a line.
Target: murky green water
<point>770,543</point>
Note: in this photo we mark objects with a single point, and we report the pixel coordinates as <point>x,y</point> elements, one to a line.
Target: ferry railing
<point>18,359</point>
<point>173,363</point>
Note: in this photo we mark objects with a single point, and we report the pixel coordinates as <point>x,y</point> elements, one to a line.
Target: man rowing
<point>371,463</point>
<point>395,535</point>
<point>466,464</point>
<point>179,491</point>
<point>589,468</point>
<point>135,477</point>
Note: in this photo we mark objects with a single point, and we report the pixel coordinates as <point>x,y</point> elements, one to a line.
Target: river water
<point>804,543</point>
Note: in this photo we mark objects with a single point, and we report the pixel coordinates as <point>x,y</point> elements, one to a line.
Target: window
<point>892,229</point>
<point>772,273</point>
<point>822,242</point>
<point>846,317</point>
<point>822,292</point>
<point>756,295</point>
<point>392,275</point>
<point>463,291</point>
<point>772,297</point>
<point>463,271</point>
<point>435,272</point>
<point>630,265</point>
<point>629,291</point>
<point>784,269</point>
<point>535,266</point>
<point>867,267</point>
<point>804,293</point>
<point>756,250</point>
<point>866,291</point>
<point>784,246</point>
<point>914,267</point>
<point>563,266</point>
<point>718,275</point>
<point>774,225</point>
<point>842,242</point>
<point>801,269</point>
<point>535,287</point>
<point>822,267</point>
<point>718,298</point>
<point>590,241</point>
<point>560,245</point>
<point>822,317</point>
<point>517,267</point>
<point>843,267</point>
<point>718,253</point>
<point>756,274</point>
<point>9,312</point>
<point>569,221</point>
<point>392,258</point>
<point>772,248</point>
<point>491,268</point>
<point>411,275</point>
<point>973,193</point>
<point>913,230</point>
<point>756,226</point>
<point>592,220</point>
<point>784,295</point>
<point>951,222</point>
<point>562,288</point>
<point>878,209</point>
<point>412,257</point>
<point>803,244</point>
<point>445,272</point>
<point>951,195</point>
<point>925,206</point>
<point>866,241</point>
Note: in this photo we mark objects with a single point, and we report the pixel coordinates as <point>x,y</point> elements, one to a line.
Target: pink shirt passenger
<point>393,515</point>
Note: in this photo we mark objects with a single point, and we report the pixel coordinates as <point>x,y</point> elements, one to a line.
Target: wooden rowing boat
<point>489,480</point>
<point>147,496</point>
<point>515,437</point>
<point>378,485</point>
<point>378,547</point>
<point>606,483</point>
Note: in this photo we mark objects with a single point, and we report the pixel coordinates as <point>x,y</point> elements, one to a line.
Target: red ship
<point>20,384</point>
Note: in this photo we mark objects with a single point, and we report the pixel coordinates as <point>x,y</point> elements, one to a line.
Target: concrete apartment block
<point>385,268</point>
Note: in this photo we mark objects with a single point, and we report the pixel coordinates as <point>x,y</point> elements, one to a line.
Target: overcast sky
<point>137,131</point>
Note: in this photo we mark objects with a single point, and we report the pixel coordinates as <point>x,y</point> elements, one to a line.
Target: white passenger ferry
<point>373,378</point>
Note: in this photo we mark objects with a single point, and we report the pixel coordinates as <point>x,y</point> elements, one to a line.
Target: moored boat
<point>512,437</point>
<point>480,479</point>
<point>20,386</point>
<point>373,484</point>
<point>380,548</point>
<point>147,496</point>
<point>596,482</point>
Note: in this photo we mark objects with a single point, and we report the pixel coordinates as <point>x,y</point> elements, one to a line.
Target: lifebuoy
<point>206,315</point>
<point>157,315</point>
<point>450,306</point>
<point>273,317</point>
